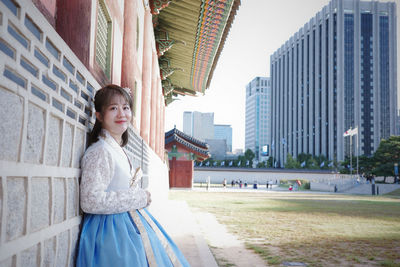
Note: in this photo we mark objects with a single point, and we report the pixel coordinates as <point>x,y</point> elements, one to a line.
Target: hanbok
<point>117,230</point>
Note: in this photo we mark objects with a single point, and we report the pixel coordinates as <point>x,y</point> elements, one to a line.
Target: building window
<point>103,38</point>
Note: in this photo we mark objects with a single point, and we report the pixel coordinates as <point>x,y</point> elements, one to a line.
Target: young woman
<point>117,229</point>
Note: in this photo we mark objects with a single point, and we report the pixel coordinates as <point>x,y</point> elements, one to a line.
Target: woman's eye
<point>127,108</point>
<point>113,108</point>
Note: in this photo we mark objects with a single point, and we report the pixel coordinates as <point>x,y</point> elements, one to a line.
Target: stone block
<point>53,141</point>
<point>62,251</point>
<point>11,110</point>
<point>79,146</point>
<point>1,199</point>
<point>59,199</point>
<point>16,207</point>
<point>30,256</point>
<point>35,134</point>
<point>49,252</point>
<point>9,262</point>
<point>72,197</point>
<point>67,145</point>
<point>40,203</point>
<point>74,244</point>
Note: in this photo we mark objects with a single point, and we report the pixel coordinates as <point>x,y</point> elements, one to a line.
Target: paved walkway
<point>181,225</point>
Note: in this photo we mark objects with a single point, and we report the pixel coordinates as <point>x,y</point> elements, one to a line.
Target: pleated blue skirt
<point>114,240</point>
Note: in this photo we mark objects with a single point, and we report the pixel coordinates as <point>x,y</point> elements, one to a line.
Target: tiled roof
<point>188,141</point>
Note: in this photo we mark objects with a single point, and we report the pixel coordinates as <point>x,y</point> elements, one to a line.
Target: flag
<point>215,163</point>
<point>201,164</point>
<point>351,132</point>
<point>275,164</point>
<point>223,163</point>
<point>230,163</point>
<point>330,164</point>
<point>322,164</point>
<point>240,162</point>
<point>208,163</point>
<point>247,163</point>
<point>303,164</point>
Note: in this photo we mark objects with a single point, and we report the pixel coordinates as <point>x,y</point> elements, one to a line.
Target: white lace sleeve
<point>97,170</point>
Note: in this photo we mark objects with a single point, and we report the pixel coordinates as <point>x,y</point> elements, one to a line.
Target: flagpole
<point>358,152</point>
<point>351,150</point>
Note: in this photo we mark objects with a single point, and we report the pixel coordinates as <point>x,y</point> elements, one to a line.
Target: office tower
<point>224,131</point>
<point>258,116</point>
<point>337,72</point>
<point>199,125</point>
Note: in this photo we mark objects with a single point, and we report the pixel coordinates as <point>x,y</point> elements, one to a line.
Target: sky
<point>259,29</point>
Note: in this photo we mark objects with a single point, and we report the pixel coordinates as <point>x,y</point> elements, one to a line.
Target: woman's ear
<point>99,117</point>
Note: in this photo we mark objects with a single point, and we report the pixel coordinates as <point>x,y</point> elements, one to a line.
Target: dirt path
<point>227,249</point>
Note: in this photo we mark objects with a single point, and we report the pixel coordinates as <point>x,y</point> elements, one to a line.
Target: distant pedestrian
<point>233,183</point>
<point>224,183</point>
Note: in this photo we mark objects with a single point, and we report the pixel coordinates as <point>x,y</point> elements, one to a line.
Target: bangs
<point>105,96</point>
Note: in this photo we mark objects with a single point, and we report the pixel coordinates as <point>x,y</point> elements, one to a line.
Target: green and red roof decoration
<point>190,36</point>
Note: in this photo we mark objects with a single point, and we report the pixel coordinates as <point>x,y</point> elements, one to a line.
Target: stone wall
<point>46,111</point>
<point>262,176</point>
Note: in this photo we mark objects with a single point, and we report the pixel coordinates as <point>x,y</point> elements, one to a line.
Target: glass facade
<point>367,91</point>
<point>348,76</point>
<point>334,74</point>
<point>258,115</point>
<point>384,76</point>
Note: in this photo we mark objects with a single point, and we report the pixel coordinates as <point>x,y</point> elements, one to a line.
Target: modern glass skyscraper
<point>258,115</point>
<point>198,124</point>
<point>224,131</point>
<point>337,72</point>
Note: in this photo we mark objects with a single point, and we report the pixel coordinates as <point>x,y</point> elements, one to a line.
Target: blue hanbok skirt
<point>115,240</point>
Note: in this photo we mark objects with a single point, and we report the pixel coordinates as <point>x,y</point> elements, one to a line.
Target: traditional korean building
<point>183,150</point>
<point>55,54</point>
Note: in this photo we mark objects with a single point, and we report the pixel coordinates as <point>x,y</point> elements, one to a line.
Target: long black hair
<point>101,101</point>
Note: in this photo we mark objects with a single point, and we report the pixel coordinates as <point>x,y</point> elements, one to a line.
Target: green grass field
<point>316,229</point>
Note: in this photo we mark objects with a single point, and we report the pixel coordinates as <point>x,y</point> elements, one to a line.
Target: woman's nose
<point>121,111</point>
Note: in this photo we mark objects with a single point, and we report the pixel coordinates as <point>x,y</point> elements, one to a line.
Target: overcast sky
<point>259,29</point>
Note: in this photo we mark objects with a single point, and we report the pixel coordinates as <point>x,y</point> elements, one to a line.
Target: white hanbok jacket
<point>106,177</point>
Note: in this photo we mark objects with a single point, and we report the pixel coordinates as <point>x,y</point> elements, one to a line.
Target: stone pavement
<point>179,222</point>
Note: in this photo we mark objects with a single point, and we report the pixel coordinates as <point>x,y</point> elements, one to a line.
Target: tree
<point>249,156</point>
<point>262,164</point>
<point>366,164</point>
<point>291,163</point>
<point>306,158</point>
<point>270,162</point>
<point>386,155</point>
<point>322,160</point>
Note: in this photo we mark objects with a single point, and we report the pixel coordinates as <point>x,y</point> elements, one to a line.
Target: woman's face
<point>116,117</point>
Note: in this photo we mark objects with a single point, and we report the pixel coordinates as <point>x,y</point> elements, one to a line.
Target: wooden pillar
<point>162,123</point>
<point>158,120</point>
<point>153,102</point>
<point>129,50</point>
<point>146,77</point>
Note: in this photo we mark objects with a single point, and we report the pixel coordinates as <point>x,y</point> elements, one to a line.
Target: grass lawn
<point>316,229</point>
